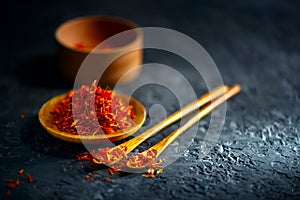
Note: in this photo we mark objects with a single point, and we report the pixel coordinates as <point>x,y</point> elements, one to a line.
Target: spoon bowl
<point>141,157</point>
<point>45,120</point>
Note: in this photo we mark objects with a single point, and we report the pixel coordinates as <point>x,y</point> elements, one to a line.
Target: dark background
<point>254,43</point>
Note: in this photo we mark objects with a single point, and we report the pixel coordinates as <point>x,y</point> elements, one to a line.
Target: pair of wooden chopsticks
<point>213,99</point>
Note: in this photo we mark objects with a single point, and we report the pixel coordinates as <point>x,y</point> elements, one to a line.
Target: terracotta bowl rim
<point>119,20</point>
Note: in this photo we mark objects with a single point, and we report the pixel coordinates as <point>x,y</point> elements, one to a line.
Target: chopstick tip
<point>237,87</point>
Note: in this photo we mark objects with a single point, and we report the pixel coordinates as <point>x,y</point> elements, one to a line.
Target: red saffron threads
<point>110,171</point>
<point>111,113</point>
<point>146,159</point>
<point>108,156</point>
<point>110,118</point>
<point>79,46</point>
<point>13,183</point>
<point>21,171</point>
<point>89,177</point>
<point>143,159</point>
<point>84,156</point>
<point>29,178</point>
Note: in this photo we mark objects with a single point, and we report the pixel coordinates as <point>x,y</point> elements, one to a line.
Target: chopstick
<point>130,145</point>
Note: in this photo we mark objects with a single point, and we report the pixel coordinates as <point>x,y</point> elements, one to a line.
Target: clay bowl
<point>45,120</point>
<point>79,37</point>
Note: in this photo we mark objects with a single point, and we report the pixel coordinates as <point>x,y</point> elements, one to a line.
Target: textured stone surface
<point>255,43</point>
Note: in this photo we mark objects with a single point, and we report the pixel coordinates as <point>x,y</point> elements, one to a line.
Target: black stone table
<point>254,43</point>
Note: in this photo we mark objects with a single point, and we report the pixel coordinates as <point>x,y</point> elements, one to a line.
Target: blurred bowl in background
<point>81,36</point>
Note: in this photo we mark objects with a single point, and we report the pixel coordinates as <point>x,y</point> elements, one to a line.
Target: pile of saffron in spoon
<point>97,111</point>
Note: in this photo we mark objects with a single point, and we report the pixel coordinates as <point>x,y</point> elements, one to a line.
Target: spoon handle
<point>160,146</point>
<point>134,142</point>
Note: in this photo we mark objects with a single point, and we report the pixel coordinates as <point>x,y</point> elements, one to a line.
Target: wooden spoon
<point>45,120</point>
<point>160,146</point>
<point>129,145</point>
